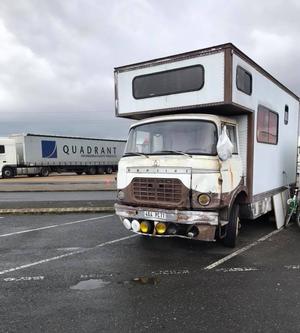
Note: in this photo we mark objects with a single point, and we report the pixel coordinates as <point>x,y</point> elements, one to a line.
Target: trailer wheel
<point>79,173</point>
<point>232,227</point>
<point>100,170</point>
<point>44,172</point>
<point>109,170</point>
<point>91,171</point>
<point>8,172</point>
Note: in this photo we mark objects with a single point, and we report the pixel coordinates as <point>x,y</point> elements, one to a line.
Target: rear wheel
<point>91,171</point>
<point>79,173</point>
<point>100,170</point>
<point>8,172</point>
<point>109,170</point>
<point>232,228</point>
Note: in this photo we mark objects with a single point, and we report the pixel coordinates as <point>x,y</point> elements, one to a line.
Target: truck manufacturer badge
<point>49,149</point>
<point>156,163</point>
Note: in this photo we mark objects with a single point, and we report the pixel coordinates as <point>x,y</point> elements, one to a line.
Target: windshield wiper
<point>136,154</point>
<point>175,152</point>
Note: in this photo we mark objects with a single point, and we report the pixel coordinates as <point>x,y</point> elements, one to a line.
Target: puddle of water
<point>90,284</point>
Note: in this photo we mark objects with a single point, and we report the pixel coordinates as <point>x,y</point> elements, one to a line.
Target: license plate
<point>155,215</point>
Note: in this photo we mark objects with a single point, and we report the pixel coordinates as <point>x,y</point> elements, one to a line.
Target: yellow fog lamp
<point>204,199</point>
<point>146,227</point>
<point>160,228</point>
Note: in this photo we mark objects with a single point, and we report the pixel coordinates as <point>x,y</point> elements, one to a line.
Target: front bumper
<point>175,216</point>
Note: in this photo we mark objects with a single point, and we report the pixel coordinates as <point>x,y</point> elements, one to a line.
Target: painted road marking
<point>66,255</point>
<point>237,269</point>
<point>292,267</point>
<point>56,225</point>
<point>243,249</point>
<point>24,278</point>
<point>172,272</point>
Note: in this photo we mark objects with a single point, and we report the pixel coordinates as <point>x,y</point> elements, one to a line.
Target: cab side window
<point>2,149</point>
<point>231,132</point>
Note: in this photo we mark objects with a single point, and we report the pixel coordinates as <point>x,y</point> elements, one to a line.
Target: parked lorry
<point>35,154</point>
<point>216,142</point>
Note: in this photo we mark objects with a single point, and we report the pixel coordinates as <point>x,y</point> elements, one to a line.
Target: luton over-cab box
<point>219,79</point>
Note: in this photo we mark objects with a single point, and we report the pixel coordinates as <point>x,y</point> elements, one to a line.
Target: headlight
<point>204,199</point>
<point>135,225</point>
<point>121,195</point>
<point>127,224</point>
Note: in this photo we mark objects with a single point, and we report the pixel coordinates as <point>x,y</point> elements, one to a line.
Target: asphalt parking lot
<point>86,273</point>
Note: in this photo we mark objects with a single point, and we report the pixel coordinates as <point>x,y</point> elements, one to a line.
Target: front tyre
<point>232,228</point>
<point>44,172</point>
<point>8,172</point>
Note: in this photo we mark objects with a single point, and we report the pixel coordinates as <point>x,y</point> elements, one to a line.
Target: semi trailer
<point>215,142</point>
<point>38,154</point>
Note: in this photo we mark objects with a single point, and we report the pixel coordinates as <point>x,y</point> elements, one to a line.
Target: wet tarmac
<point>86,273</point>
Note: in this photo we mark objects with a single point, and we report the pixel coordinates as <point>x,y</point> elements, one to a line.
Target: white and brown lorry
<point>216,141</point>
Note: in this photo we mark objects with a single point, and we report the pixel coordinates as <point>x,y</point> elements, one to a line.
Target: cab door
<point>231,169</point>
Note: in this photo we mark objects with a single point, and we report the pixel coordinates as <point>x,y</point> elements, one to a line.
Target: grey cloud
<point>57,57</point>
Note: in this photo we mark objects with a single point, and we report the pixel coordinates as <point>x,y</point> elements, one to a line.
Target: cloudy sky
<point>57,56</point>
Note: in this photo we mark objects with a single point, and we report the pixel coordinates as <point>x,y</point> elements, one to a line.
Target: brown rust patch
<point>206,232</point>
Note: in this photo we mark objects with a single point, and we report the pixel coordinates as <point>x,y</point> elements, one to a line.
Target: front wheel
<point>8,172</point>
<point>44,172</point>
<point>232,228</point>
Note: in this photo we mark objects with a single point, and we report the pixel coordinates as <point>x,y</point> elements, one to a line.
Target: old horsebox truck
<point>37,154</point>
<point>216,142</point>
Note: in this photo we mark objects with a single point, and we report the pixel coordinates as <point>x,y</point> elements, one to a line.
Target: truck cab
<point>172,177</point>
<point>8,157</point>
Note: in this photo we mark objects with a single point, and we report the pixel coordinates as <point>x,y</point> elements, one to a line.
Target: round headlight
<point>160,228</point>
<point>121,195</point>
<point>135,225</point>
<point>127,224</point>
<point>204,199</point>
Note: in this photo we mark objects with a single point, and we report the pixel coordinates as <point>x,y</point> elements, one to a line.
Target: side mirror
<point>224,146</point>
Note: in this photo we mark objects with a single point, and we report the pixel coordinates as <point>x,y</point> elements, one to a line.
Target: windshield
<point>198,137</point>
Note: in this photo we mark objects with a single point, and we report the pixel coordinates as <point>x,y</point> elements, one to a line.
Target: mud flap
<point>280,207</point>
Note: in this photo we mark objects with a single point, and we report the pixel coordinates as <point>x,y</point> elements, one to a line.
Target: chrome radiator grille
<point>157,190</point>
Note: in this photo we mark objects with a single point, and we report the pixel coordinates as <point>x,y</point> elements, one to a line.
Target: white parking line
<point>55,225</point>
<point>243,249</point>
<point>24,278</point>
<point>66,255</point>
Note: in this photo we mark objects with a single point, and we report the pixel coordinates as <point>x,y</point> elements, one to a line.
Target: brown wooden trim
<point>250,154</point>
<point>228,76</point>
<point>219,108</point>
<point>267,194</point>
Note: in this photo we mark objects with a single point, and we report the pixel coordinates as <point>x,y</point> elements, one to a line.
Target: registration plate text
<point>155,215</point>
